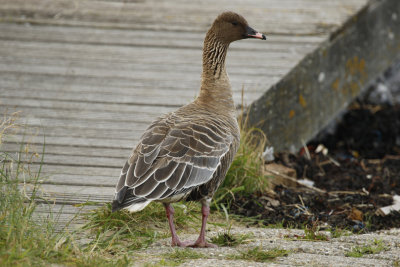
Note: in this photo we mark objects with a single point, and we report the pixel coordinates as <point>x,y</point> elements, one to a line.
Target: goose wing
<point>170,159</point>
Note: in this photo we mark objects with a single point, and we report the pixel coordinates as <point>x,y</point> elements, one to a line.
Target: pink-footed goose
<point>185,154</point>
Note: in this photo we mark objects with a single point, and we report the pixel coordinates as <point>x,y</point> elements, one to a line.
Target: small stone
<point>321,77</point>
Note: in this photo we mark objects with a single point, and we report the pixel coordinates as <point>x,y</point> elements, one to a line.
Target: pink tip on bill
<point>258,36</point>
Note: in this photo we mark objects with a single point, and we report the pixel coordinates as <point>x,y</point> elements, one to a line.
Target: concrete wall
<point>328,79</point>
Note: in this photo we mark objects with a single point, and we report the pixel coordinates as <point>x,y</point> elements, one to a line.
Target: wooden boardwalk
<point>88,76</point>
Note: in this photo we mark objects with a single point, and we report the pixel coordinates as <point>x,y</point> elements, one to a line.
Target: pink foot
<point>203,245</point>
<point>192,244</point>
<point>181,244</point>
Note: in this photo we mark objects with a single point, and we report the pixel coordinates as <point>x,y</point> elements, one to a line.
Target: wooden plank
<point>97,133</point>
<point>77,179</point>
<point>74,141</point>
<point>300,16</point>
<point>74,160</point>
<point>84,171</point>
<point>181,40</point>
<point>143,55</point>
<point>84,124</point>
<point>70,114</point>
<point>236,63</point>
<point>14,103</point>
<point>58,209</point>
<point>55,149</point>
<point>73,194</point>
<point>141,98</point>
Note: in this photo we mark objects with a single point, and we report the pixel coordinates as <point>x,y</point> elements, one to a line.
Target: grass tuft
<point>312,233</point>
<point>337,232</point>
<point>227,239</point>
<point>374,247</point>
<point>260,255</point>
<point>180,255</point>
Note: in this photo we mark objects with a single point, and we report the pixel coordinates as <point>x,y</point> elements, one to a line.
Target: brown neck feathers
<point>215,86</point>
<point>214,54</point>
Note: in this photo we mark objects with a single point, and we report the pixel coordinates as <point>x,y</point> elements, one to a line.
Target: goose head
<point>229,27</point>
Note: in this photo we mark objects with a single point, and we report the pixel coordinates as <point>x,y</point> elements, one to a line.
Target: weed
<point>180,255</point>
<point>312,233</point>
<point>373,248</point>
<point>337,232</point>
<point>257,254</point>
<point>227,239</point>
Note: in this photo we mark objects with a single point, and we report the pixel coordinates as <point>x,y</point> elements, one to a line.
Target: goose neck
<point>215,86</point>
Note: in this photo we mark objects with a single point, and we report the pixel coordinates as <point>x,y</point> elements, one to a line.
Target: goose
<point>185,154</point>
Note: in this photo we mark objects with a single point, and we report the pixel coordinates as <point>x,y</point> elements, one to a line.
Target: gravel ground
<point>302,252</point>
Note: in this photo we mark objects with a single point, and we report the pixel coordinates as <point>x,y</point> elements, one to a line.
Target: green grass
<point>29,241</point>
<point>313,234</point>
<point>337,232</point>
<point>227,239</point>
<point>180,255</point>
<point>260,255</point>
<point>374,247</point>
<point>26,240</point>
<point>126,231</point>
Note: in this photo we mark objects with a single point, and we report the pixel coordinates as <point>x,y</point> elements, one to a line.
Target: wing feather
<point>185,177</point>
<point>163,174</point>
<point>176,176</point>
<point>146,188</point>
<point>157,192</point>
<point>172,157</point>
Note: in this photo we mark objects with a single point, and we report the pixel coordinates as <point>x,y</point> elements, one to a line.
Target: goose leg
<point>175,239</point>
<point>201,241</point>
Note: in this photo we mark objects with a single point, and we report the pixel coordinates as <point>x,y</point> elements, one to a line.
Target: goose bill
<point>251,33</point>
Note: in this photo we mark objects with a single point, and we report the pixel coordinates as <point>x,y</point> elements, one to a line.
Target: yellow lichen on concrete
<point>335,84</point>
<point>356,66</point>
<point>355,76</point>
<point>302,101</point>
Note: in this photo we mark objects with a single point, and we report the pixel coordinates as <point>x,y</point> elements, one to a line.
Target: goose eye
<point>234,23</point>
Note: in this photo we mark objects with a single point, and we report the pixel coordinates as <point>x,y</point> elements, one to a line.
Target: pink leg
<point>170,215</point>
<point>201,241</point>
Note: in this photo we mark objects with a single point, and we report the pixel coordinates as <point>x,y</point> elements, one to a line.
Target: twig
<point>306,150</point>
<point>348,193</point>
<point>297,182</point>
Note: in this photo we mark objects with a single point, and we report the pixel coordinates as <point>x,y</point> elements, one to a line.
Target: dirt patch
<point>360,174</point>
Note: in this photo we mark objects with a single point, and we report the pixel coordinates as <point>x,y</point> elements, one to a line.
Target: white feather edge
<point>137,206</point>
